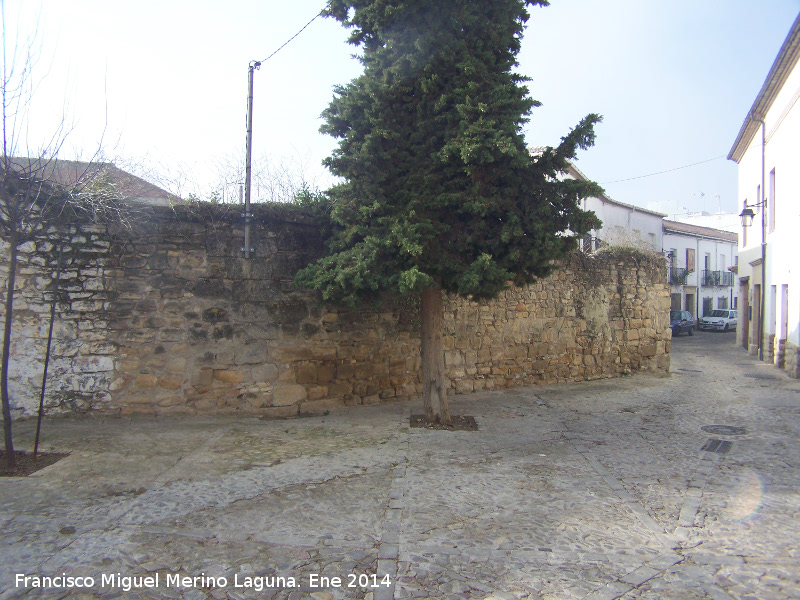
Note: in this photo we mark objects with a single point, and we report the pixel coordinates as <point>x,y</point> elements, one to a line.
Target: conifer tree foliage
<point>440,193</point>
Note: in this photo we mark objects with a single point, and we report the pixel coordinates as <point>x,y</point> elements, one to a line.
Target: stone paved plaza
<point>598,490</point>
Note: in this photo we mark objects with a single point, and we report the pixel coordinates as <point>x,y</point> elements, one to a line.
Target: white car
<point>718,320</point>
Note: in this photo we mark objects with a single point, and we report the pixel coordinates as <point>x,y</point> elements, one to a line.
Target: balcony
<point>716,279</point>
<point>678,276</point>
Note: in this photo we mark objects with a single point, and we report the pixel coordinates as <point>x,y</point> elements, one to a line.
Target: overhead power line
<point>667,171</point>
<point>753,145</point>
<point>287,42</point>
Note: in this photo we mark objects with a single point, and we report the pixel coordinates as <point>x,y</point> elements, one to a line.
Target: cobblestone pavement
<point>598,490</point>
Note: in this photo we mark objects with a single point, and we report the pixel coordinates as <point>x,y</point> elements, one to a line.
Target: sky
<point>161,85</point>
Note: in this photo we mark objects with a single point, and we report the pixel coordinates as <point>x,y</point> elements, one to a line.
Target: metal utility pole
<point>248,158</point>
<point>763,201</point>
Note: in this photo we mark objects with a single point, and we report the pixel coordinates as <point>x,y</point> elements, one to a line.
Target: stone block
<point>137,399</point>
<point>266,372</point>
<point>228,376</point>
<point>203,377</point>
<point>92,364</point>
<point>171,381</point>
<point>204,405</point>
<point>453,358</point>
<point>306,374</point>
<point>288,354</point>
<point>155,322</point>
<point>119,383</point>
<point>177,365</point>
<point>289,311</point>
<point>103,347</point>
<point>146,380</point>
<point>345,371</point>
<point>171,400</point>
<point>317,392</point>
<point>250,354</point>
<point>366,370</point>
<point>340,388</point>
<point>326,374</point>
<point>285,395</point>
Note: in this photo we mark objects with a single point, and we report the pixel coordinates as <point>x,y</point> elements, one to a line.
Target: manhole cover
<point>724,429</point>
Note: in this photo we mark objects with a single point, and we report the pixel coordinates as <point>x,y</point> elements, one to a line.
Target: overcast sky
<point>164,83</point>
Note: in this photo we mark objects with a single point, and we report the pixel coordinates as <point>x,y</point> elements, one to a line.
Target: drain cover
<point>761,376</point>
<point>717,446</point>
<point>724,430</point>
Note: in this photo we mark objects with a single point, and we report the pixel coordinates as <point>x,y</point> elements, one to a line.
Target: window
<point>722,303</point>
<point>690,259</point>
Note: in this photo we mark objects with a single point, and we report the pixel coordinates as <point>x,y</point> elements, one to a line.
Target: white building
<point>700,261</point>
<point>767,151</point>
<point>623,224</point>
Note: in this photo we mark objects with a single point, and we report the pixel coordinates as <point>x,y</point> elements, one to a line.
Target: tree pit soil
<point>26,465</point>
<point>459,423</point>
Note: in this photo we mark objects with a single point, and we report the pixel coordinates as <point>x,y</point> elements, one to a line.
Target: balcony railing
<point>677,276</point>
<point>709,278</point>
<point>716,279</point>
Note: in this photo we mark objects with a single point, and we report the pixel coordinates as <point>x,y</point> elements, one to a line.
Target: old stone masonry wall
<point>170,319</point>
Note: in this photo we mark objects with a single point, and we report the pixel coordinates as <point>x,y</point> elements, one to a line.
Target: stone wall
<point>82,359</point>
<point>170,318</point>
<point>791,360</point>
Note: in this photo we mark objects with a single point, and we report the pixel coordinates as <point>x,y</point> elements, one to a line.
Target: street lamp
<point>747,215</point>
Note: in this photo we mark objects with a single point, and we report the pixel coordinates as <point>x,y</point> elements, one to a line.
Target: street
<point>683,486</point>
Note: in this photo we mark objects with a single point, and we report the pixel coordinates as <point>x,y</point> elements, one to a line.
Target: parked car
<point>681,321</point>
<point>719,320</point>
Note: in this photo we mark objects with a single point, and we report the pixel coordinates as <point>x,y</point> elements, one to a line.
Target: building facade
<point>767,152</point>
<point>700,261</point>
<point>623,224</point>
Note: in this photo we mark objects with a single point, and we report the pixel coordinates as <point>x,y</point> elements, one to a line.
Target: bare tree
<point>275,179</point>
<point>37,190</point>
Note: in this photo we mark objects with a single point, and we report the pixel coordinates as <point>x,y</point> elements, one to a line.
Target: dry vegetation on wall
<point>170,319</point>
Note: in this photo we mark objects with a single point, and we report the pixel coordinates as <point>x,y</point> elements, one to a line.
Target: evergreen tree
<point>440,192</point>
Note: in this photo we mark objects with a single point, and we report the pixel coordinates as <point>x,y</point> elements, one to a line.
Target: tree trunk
<point>12,275</point>
<point>434,382</point>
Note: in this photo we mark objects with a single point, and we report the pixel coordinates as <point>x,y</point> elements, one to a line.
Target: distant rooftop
<point>70,173</point>
<point>698,231</point>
